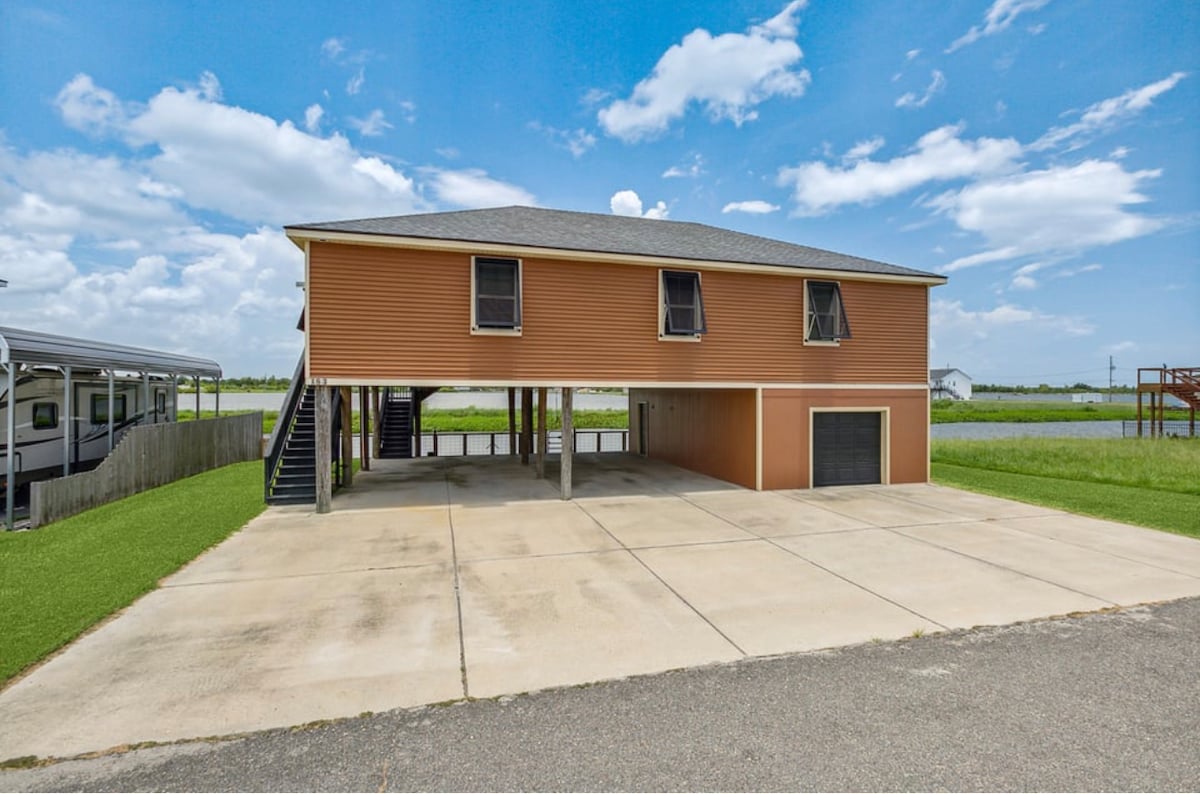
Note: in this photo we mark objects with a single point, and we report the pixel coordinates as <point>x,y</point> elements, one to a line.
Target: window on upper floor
<point>825,314</point>
<point>682,306</point>
<point>496,295</point>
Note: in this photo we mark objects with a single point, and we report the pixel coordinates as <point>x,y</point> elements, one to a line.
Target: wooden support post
<point>526,424</point>
<point>1139,412</point>
<point>364,426</point>
<point>568,445</point>
<point>323,456</point>
<point>543,442</point>
<point>416,426</point>
<point>512,420</point>
<point>347,439</point>
<point>378,412</point>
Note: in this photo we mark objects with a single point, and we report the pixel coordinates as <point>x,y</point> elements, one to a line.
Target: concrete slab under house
<point>760,362</point>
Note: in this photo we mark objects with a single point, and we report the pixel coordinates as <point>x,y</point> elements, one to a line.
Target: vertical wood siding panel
<point>385,313</point>
<point>706,430</point>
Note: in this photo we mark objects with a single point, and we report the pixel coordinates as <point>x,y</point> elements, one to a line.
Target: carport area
<point>439,579</point>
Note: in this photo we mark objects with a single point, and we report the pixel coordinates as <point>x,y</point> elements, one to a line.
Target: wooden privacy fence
<point>146,457</point>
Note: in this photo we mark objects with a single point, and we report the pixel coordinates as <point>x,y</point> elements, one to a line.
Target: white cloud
<point>863,149</point>
<point>728,75</point>
<point>939,155</point>
<point>950,322</point>
<point>1106,114</point>
<point>911,54</point>
<point>1023,277</point>
<point>408,110</point>
<point>1119,153</point>
<point>594,96</point>
<point>372,126</point>
<point>935,87</point>
<point>473,188</point>
<point>88,108</point>
<point>312,118</point>
<point>1070,272</point>
<point>210,87</point>
<point>1125,346</point>
<point>577,141</point>
<point>691,170</point>
<point>34,262</point>
<point>999,17</point>
<point>355,83</point>
<point>754,207</point>
<point>333,47</point>
<point>250,167</point>
<point>1060,209</point>
<point>628,203</point>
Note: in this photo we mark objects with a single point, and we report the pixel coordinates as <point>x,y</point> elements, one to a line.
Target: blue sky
<point>1041,153</point>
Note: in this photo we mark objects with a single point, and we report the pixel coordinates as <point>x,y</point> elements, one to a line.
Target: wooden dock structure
<point>1182,383</point>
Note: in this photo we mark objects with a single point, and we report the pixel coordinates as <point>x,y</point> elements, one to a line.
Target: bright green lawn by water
<point>61,579</point>
<point>1148,482</point>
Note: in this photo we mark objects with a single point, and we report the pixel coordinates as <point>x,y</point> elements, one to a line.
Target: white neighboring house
<point>949,384</point>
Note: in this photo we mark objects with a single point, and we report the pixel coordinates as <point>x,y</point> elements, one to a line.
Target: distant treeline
<point>1046,388</point>
<point>265,383</point>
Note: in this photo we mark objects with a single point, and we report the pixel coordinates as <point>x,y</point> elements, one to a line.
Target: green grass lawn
<point>944,411</point>
<point>60,580</point>
<point>1148,482</point>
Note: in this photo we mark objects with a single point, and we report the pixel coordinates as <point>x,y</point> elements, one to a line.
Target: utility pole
<point>1111,367</point>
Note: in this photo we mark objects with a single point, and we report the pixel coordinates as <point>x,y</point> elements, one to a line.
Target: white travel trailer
<point>64,402</point>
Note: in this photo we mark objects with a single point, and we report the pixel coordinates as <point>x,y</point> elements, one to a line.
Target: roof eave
<point>300,235</point>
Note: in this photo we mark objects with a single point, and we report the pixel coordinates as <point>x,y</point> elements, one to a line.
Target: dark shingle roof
<point>611,234</point>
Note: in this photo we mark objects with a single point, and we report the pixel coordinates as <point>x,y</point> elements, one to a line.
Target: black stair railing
<point>283,426</point>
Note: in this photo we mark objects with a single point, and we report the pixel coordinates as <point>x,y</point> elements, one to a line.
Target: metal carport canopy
<point>18,346</point>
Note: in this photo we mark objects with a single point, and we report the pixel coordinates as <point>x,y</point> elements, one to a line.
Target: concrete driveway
<point>436,580</point>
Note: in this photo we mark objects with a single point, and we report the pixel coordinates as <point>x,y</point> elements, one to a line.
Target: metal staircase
<point>295,479</point>
<point>396,424</point>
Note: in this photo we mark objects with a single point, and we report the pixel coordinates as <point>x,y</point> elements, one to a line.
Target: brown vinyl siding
<point>711,431</point>
<point>388,314</point>
<point>786,439</point>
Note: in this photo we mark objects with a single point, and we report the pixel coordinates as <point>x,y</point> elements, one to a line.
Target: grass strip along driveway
<point>62,579</point>
<point>1147,482</point>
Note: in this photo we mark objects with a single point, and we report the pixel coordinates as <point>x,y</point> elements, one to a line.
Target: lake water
<point>982,430</point>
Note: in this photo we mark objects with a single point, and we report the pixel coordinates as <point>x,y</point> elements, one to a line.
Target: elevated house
<point>756,361</point>
<point>949,384</point>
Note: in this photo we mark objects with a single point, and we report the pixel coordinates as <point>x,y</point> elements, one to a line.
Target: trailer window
<point>45,416</point>
<point>100,409</point>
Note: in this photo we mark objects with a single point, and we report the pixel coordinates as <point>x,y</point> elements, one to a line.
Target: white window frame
<point>514,331</point>
<point>663,336</point>
<point>807,314</point>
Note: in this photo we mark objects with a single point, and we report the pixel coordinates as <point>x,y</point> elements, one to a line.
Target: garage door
<point>846,448</point>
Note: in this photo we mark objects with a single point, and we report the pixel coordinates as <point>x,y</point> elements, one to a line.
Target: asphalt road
<point>1099,702</point>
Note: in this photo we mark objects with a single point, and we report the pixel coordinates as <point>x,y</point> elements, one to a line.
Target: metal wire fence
<point>455,444</point>
<point>1169,427</point>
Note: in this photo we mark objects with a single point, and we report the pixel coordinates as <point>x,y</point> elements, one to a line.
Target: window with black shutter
<point>497,290</point>
<point>826,320</point>
<point>683,305</point>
